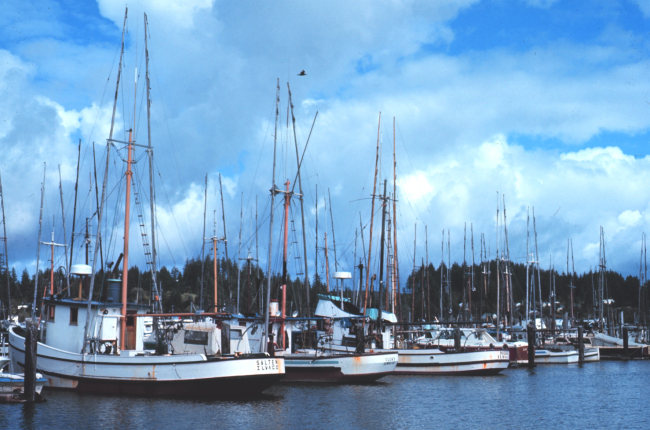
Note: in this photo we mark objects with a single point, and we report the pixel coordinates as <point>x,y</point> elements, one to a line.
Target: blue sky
<point>547,102</point>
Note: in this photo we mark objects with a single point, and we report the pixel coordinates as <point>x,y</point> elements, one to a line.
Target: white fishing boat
<point>473,339</point>
<point>432,360</point>
<point>194,365</point>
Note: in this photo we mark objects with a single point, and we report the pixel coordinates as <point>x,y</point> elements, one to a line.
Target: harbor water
<point>608,394</point>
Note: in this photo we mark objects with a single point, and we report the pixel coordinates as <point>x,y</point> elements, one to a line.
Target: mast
<point>127,215</point>
<point>372,216</point>
<point>573,272</point>
<point>101,208</point>
<point>101,253</point>
<point>74,212</point>
<point>241,226</point>
<point>38,244</point>
<point>539,276</point>
<point>395,259</point>
<point>273,191</point>
<point>415,238</point>
<point>442,264</point>
<point>336,261</point>
<point>302,205</point>
<point>67,276</point>
<point>360,266</point>
<point>527,265</point>
<point>152,195</point>
<point>225,239</point>
<point>381,253</point>
<point>316,241</point>
<point>510,302</point>
<point>327,266</point>
<point>205,209</point>
<point>472,273</point>
<point>498,281</point>
<point>287,198</point>
<point>4,226</point>
<point>215,264</point>
<point>426,246</point>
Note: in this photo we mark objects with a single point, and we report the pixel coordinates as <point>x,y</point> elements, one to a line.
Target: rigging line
<point>264,143</point>
<point>171,209</point>
<point>175,157</point>
<point>161,233</point>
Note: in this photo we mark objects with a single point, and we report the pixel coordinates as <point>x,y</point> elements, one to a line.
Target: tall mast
<point>152,195</point>
<point>539,276</point>
<point>472,288</point>
<point>415,238</point>
<point>74,211</point>
<point>573,271</point>
<point>225,239</point>
<point>100,210</point>
<point>395,259</point>
<point>302,205</point>
<point>287,199</point>
<point>442,264</point>
<point>316,241</point>
<point>241,226</point>
<point>527,265</point>
<point>508,268</point>
<point>464,313</point>
<point>273,191</point>
<point>336,261</point>
<point>4,238</point>
<point>372,216</point>
<point>426,246</point>
<point>498,281</point>
<point>205,209</point>
<point>127,216</point>
<point>65,251</point>
<point>327,266</point>
<point>38,244</point>
<point>381,252</point>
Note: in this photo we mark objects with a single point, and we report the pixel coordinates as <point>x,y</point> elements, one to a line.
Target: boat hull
<point>186,375</point>
<point>10,383</point>
<point>552,357</point>
<point>339,368</point>
<point>434,362</point>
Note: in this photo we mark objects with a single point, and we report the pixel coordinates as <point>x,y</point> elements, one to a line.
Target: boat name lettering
<point>263,365</point>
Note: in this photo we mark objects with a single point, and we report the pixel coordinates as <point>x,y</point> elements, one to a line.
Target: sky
<point>543,105</point>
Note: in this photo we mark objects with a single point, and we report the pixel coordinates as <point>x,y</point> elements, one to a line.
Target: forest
<point>419,295</point>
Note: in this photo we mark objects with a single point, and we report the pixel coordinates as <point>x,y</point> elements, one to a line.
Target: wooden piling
<point>31,340</point>
<point>581,345</point>
<point>457,339</point>
<point>531,345</point>
<point>626,341</point>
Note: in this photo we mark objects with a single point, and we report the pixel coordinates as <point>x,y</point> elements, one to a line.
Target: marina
<point>380,265</point>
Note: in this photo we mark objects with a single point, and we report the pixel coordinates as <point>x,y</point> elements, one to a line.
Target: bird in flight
<point>302,73</point>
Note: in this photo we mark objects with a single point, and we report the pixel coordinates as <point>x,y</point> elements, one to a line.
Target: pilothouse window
<point>194,337</point>
<point>74,315</point>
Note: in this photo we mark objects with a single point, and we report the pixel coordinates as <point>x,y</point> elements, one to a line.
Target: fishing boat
<point>474,339</point>
<point>317,364</point>
<point>417,359</point>
<point>98,346</point>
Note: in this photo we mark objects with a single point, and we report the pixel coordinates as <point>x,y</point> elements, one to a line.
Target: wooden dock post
<point>581,345</point>
<point>626,342</point>
<point>531,345</point>
<point>31,340</point>
<point>457,339</point>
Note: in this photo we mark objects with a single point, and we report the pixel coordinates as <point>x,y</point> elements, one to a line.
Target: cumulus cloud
<point>465,119</point>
